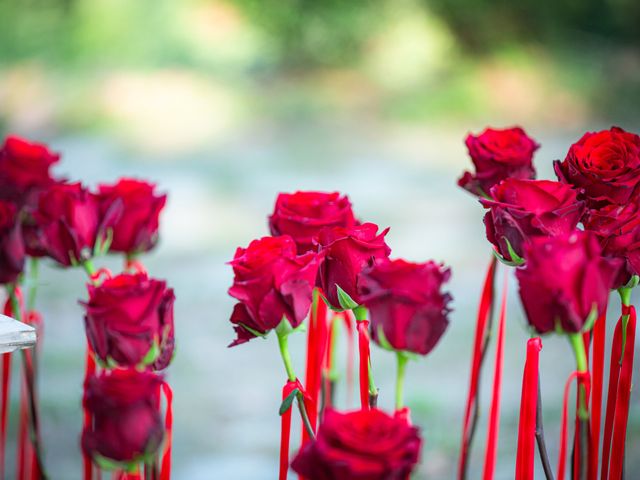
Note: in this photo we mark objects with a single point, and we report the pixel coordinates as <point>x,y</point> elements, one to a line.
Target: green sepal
<point>284,328</point>
<point>346,302</point>
<point>633,282</point>
<point>253,331</point>
<point>103,243</point>
<point>591,319</point>
<point>152,354</point>
<point>516,260</point>
<point>381,339</point>
<point>288,401</point>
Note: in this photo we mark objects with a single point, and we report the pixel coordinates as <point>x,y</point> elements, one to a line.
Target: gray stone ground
<point>226,400</point>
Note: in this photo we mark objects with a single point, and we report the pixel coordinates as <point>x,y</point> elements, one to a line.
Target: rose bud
<point>364,444</point>
<point>617,228</point>
<point>127,426</point>
<point>12,252</point>
<point>565,281</point>
<point>129,321</point>
<point>136,229</point>
<point>69,223</point>
<point>521,209</point>
<point>302,215</point>
<point>347,252</point>
<point>272,283</point>
<point>24,170</point>
<point>496,155</point>
<point>605,165</point>
<point>408,310</point>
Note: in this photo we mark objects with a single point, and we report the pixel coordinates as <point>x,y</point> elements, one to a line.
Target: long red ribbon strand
<point>165,471</point>
<point>90,369</point>
<point>614,374</point>
<point>597,362</point>
<point>528,410</point>
<point>4,414</point>
<point>482,322</point>
<point>622,401</point>
<point>494,411</point>
<point>348,321</point>
<point>363,348</point>
<point>583,379</point>
<point>285,426</point>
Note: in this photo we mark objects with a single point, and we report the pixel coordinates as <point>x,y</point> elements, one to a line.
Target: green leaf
<point>286,403</point>
<point>346,302</point>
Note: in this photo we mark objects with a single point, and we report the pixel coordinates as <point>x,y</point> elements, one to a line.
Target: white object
<point>15,335</point>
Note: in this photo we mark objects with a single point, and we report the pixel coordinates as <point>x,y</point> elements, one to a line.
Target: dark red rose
<point>11,244</point>
<point>69,223</point>
<point>497,155</point>
<point>24,169</point>
<point>136,229</point>
<point>302,215</point>
<point>605,165</point>
<point>521,209</point>
<point>564,279</point>
<point>129,321</point>
<point>347,252</point>
<point>360,445</point>
<point>406,305</point>
<point>271,283</point>
<point>617,228</point>
<point>124,405</point>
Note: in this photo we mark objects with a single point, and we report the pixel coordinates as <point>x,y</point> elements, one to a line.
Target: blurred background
<point>226,103</point>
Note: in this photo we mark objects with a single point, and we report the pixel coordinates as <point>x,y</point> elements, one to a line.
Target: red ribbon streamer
<point>614,374</point>
<point>165,471</point>
<point>622,401</point>
<point>494,411</point>
<point>363,347</point>
<point>583,379</point>
<point>348,321</point>
<point>90,370</point>
<point>599,336</point>
<point>4,414</point>
<point>482,323</point>
<point>528,411</point>
<point>285,425</point>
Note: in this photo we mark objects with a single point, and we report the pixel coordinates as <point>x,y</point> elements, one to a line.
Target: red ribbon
<point>528,411</point>
<point>494,411</point>
<point>599,336</point>
<point>285,425</point>
<point>363,347</point>
<point>6,377</point>
<point>583,379</point>
<point>90,369</point>
<point>348,321</point>
<point>614,374</point>
<point>165,471</point>
<point>481,335</point>
<point>622,401</point>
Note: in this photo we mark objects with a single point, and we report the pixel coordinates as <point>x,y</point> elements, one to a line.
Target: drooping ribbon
<point>597,362</point>
<point>480,344</point>
<point>363,349</point>
<point>494,411</point>
<point>4,413</point>
<point>285,425</point>
<point>528,411</point>
<point>90,370</point>
<point>165,470</point>
<point>612,390</point>
<point>582,379</point>
<point>348,321</point>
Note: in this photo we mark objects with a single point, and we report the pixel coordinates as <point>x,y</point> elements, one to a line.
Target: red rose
<point>406,305</point>
<point>605,165</point>
<point>136,229</point>
<point>496,155</point>
<point>129,321</point>
<point>521,209</point>
<point>302,215</point>
<point>69,223</point>
<point>24,169</point>
<point>360,445</point>
<point>347,251</point>
<point>617,228</point>
<point>11,245</point>
<point>124,405</point>
<point>271,283</point>
<point>563,280</point>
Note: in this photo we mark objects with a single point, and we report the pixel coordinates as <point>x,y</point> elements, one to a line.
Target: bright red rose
<point>406,304</point>
<point>302,215</point>
<point>496,155</point>
<point>129,321</point>
<point>605,165</point>
<point>521,209</point>
<point>24,169</point>
<point>136,229</point>
<point>127,425</point>
<point>564,279</point>
<point>11,244</point>
<point>347,252</point>
<point>360,445</point>
<point>272,283</point>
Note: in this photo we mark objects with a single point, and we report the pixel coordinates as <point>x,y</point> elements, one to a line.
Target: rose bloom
<point>302,215</point>
<point>360,445</point>
<point>347,252</point>
<point>605,165</point>
<point>496,155</point>
<point>521,209</point>
<point>127,317</point>
<point>12,251</point>
<point>564,279</point>
<point>271,282</point>
<point>124,405</point>
<point>136,229</point>
<point>406,303</point>
<point>24,169</point>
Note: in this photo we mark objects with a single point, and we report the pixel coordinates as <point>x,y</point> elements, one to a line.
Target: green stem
<point>34,262</point>
<point>360,313</point>
<point>625,299</point>
<point>283,343</point>
<point>334,372</point>
<point>577,343</point>
<point>402,363</point>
